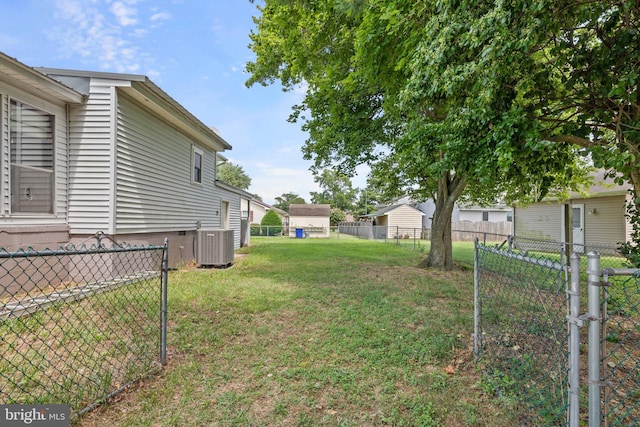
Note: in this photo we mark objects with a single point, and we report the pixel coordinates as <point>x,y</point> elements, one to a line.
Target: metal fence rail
<point>80,324</point>
<point>561,337</point>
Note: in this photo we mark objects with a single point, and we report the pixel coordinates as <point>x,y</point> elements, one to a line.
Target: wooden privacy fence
<point>467,231</point>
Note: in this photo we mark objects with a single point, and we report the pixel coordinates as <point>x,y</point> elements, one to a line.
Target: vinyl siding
<point>58,110</point>
<point>476,215</point>
<point>154,191</point>
<point>607,225</point>
<point>5,190</point>
<point>90,154</point>
<point>234,212</point>
<point>404,217</point>
<point>308,221</point>
<point>539,221</point>
<point>258,213</point>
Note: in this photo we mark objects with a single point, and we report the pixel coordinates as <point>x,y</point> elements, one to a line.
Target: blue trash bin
<point>299,233</point>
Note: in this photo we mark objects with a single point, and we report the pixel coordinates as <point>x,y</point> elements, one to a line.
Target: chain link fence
<point>80,324</point>
<point>522,332</point>
<point>559,335</point>
<point>416,238</point>
<point>620,347</point>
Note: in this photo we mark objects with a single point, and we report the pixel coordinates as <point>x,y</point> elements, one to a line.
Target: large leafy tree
<point>374,195</point>
<point>233,175</point>
<point>287,199</point>
<point>410,85</point>
<point>337,190</point>
<point>586,83</point>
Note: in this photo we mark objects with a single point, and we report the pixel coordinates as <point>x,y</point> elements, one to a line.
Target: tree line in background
<point>460,99</point>
<point>337,191</point>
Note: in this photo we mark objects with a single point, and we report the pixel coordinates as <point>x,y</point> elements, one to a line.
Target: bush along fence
<point>78,325</point>
<point>560,339</point>
<point>268,230</point>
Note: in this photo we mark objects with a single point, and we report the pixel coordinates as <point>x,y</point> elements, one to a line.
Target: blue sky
<point>195,50</point>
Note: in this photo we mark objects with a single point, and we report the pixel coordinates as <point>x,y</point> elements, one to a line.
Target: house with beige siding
<point>258,209</point>
<point>595,219</point>
<point>86,152</point>
<point>309,220</point>
<point>401,220</point>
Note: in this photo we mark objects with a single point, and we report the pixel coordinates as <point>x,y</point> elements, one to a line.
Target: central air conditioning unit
<point>215,248</point>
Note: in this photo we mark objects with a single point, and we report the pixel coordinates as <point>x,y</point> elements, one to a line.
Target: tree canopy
<point>455,98</point>
<point>285,200</point>
<point>337,190</point>
<point>233,175</point>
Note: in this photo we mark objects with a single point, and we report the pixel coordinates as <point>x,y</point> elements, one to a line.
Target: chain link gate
<point>80,324</point>
<point>565,355</point>
<point>521,331</point>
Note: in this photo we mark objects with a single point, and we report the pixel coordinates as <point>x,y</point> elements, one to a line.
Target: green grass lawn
<point>307,332</point>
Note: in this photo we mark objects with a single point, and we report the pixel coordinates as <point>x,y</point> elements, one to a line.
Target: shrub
<point>271,224</point>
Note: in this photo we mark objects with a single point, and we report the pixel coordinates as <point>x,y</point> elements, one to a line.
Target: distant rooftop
<point>309,210</point>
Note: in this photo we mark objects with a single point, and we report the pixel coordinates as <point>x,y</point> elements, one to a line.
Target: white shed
<point>309,220</point>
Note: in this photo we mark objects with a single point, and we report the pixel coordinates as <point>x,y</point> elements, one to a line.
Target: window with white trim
<point>197,157</point>
<point>31,159</point>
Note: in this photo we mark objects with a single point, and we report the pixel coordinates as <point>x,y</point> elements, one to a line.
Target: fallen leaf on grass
<point>450,370</point>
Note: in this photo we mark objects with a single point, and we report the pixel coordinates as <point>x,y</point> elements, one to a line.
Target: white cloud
<point>102,32</point>
<point>125,15</point>
<point>162,16</point>
<point>140,32</point>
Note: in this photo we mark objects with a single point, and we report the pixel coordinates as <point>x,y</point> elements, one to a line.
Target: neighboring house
<point>401,220</point>
<point>245,198</point>
<point>474,213</point>
<point>469,213</point>
<point>258,209</point>
<point>234,216</point>
<point>598,219</point>
<point>310,220</point>
<point>85,152</point>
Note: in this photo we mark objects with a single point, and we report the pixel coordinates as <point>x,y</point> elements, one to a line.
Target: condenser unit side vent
<point>215,248</point>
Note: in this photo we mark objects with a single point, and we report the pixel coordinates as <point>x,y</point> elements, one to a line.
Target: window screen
<point>32,159</point>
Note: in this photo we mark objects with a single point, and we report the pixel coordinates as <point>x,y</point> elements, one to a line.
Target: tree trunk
<point>450,187</point>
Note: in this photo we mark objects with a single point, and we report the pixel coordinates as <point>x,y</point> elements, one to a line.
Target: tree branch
<point>572,139</point>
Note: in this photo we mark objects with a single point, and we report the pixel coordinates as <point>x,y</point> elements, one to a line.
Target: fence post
<point>593,272</point>
<point>163,310</point>
<point>476,302</point>
<point>574,342</point>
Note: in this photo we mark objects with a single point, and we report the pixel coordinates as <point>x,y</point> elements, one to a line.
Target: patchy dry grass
<point>312,332</point>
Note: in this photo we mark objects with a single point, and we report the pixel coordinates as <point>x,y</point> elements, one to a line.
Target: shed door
<point>577,218</point>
